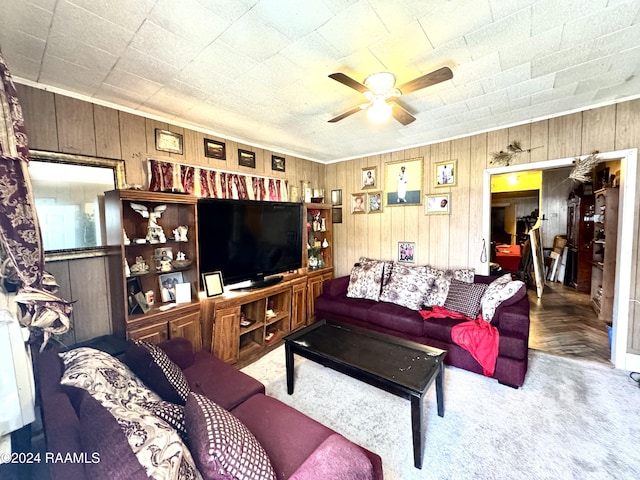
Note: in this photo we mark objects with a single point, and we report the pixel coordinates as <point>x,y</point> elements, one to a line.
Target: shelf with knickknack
<point>153,268</point>
<point>319,252</point>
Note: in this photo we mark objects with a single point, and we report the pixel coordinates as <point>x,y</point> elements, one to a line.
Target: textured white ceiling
<point>257,70</point>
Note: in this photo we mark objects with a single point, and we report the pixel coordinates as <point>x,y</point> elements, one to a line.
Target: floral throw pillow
<point>499,291</point>
<point>366,280</point>
<point>408,286</point>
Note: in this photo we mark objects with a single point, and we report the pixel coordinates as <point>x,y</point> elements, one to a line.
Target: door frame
<point>626,227</point>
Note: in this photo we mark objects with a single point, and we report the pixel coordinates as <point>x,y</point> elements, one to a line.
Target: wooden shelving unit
<point>319,232</point>
<point>158,323</point>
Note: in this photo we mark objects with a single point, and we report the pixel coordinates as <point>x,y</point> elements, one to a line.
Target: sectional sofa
<point>204,419</point>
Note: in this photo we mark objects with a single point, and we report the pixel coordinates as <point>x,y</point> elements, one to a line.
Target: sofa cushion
<point>158,371</point>
<point>100,373</point>
<point>179,350</point>
<point>466,275</point>
<point>103,436</point>
<point>408,286</point>
<point>222,445</point>
<point>465,298</point>
<point>440,328</point>
<point>395,317</point>
<point>270,420</point>
<point>227,387</point>
<point>386,271</point>
<point>365,280</point>
<point>172,413</point>
<point>336,459</point>
<point>502,290</point>
<point>357,308</point>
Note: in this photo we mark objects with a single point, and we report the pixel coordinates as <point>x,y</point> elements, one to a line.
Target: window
<point>68,191</point>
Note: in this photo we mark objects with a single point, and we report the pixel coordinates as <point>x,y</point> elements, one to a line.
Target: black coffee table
<point>395,365</point>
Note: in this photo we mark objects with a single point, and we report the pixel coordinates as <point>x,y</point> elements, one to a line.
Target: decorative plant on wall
<point>583,169</point>
<point>514,149</point>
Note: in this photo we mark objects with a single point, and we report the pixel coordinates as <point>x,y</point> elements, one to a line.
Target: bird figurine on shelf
<point>155,233</point>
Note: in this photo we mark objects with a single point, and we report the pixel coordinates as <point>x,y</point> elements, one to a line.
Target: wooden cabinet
<point>245,324</point>
<point>579,242</point>
<point>315,281</point>
<point>139,262</point>
<point>319,244</point>
<point>605,238</point>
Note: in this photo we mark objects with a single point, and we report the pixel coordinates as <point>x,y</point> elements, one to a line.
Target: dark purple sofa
<point>511,320</point>
<point>299,447</point>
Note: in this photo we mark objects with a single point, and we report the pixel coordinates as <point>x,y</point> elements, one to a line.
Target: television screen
<point>249,240</point>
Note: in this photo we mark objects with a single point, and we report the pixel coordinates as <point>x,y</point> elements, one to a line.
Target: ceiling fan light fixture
<point>379,111</point>
<point>380,83</point>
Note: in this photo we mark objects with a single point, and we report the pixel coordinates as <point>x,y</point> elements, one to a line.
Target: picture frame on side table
<point>437,204</point>
<point>168,282</point>
<point>213,284</point>
<point>278,163</point>
<point>167,141</point>
<point>215,149</point>
<point>246,158</point>
<point>374,200</point>
<point>369,177</point>
<point>445,174</point>
<point>406,252</point>
<point>403,182</point>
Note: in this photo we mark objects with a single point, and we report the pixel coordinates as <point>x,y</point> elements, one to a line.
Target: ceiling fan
<point>382,94</point>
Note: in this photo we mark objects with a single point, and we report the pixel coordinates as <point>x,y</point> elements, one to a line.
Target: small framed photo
<point>278,163</point>
<point>406,252</point>
<point>438,204</point>
<point>445,173</point>
<point>134,287</point>
<point>246,158</point>
<point>213,284</point>
<point>215,149</point>
<point>369,177</point>
<point>336,215</point>
<point>374,199</point>
<point>167,141</point>
<point>183,292</point>
<point>336,197</point>
<point>358,203</point>
<point>168,282</point>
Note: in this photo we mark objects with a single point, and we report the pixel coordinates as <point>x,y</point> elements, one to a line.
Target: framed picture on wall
<point>369,177</point>
<point>336,215</point>
<point>358,203</point>
<point>403,182</point>
<point>246,158</point>
<point>406,252</point>
<point>278,163</point>
<point>445,173</point>
<point>374,200</point>
<point>437,204</point>
<point>336,197</point>
<point>167,141</point>
<point>215,149</point>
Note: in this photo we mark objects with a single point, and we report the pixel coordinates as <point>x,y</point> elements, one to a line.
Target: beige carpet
<point>570,420</point>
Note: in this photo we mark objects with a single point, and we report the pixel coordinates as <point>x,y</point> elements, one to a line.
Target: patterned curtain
<point>210,183</point>
<point>21,251</point>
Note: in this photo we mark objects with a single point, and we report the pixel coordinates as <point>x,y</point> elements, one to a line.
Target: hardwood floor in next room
<point>563,323</point>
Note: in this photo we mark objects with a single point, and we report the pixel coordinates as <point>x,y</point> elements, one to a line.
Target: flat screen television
<point>249,240</point>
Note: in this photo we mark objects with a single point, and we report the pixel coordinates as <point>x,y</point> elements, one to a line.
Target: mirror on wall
<point>69,192</point>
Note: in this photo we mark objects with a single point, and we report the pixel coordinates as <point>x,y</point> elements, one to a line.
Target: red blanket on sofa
<point>478,337</point>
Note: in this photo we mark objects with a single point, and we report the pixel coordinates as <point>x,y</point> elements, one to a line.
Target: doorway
<point>626,222</point>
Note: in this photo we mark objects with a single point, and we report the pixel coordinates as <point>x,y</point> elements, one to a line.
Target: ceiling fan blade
<point>348,81</point>
<point>437,76</point>
<point>346,114</point>
<point>400,114</point>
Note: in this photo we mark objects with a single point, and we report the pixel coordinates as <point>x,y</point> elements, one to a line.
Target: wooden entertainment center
<point>238,326</point>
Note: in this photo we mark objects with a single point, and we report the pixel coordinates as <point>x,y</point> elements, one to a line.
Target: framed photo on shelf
<point>358,203</point>
<point>215,149</point>
<point>246,158</point>
<point>403,182</point>
<point>437,204</point>
<point>278,163</point>
<point>134,287</point>
<point>168,282</point>
<point>213,284</point>
<point>336,197</point>
<point>444,173</point>
<point>167,141</point>
<point>369,177</point>
<point>183,292</point>
<point>406,252</point>
<point>374,199</point>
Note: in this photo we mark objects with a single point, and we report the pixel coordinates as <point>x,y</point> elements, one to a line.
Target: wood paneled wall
<point>456,240</point>
<point>57,123</point>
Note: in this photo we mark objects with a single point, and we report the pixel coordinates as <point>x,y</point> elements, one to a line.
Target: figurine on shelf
<point>140,266</point>
<point>325,244</point>
<point>180,256</point>
<point>323,225</point>
<point>155,234</point>
<point>180,234</point>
